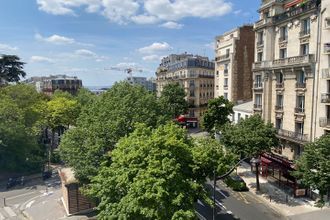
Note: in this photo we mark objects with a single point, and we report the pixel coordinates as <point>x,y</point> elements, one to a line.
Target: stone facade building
<point>291,71</point>
<point>194,73</point>
<point>233,69</point>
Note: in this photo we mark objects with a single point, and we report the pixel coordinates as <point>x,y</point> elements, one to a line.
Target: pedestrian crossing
<point>7,213</point>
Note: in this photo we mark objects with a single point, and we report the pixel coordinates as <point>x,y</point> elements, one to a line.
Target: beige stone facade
<point>194,73</point>
<point>290,54</point>
<point>234,58</point>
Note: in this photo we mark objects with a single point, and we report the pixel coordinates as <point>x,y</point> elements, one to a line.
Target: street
<point>235,205</point>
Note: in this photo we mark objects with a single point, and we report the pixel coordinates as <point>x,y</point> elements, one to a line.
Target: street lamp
<point>214,184</point>
<point>255,162</point>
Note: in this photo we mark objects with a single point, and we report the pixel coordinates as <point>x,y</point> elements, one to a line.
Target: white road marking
<point>200,216</point>
<point>219,203</point>
<point>9,211</point>
<point>2,217</point>
<point>229,212</point>
<point>24,194</point>
<point>219,190</point>
<point>199,202</point>
<point>29,204</point>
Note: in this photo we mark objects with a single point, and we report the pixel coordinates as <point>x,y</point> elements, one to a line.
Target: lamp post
<point>255,162</point>
<point>214,184</point>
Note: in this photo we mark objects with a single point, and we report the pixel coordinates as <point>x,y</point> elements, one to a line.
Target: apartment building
<point>48,84</point>
<point>291,71</point>
<point>148,84</point>
<point>233,68</point>
<point>194,73</point>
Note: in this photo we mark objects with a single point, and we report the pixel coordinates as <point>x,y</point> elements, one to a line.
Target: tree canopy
<point>100,126</point>
<point>217,113</point>
<point>155,174</point>
<point>313,167</point>
<point>11,68</point>
<point>250,137</point>
<point>172,100</point>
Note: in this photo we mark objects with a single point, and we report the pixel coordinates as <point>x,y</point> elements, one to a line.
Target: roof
<point>67,176</point>
<point>244,107</point>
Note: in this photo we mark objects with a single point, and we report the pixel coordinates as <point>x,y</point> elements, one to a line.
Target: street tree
<point>149,175</point>
<point>249,137</point>
<point>216,115</point>
<point>100,126</point>
<point>11,68</point>
<point>172,100</point>
<point>313,167</point>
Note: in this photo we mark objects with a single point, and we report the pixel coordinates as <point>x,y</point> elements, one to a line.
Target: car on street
<point>236,183</point>
<point>46,174</point>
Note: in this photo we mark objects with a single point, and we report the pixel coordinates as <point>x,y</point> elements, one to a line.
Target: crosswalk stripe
<point>9,211</point>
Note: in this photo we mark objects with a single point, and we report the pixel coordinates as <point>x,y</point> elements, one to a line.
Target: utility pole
<point>214,183</point>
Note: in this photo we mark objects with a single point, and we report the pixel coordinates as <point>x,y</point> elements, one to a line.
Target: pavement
<point>277,199</point>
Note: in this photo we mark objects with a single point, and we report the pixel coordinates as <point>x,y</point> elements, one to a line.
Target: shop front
<point>279,171</point>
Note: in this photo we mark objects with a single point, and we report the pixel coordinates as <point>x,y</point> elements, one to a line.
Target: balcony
<point>222,58</point>
<point>225,87</point>
<point>327,48</point>
<point>290,61</point>
<point>282,39</point>
<point>257,106</point>
<point>299,110</point>
<point>262,22</point>
<point>304,33</point>
<point>258,86</point>
<point>205,76</point>
<point>326,73</point>
<point>324,122</point>
<point>261,65</point>
<point>300,85</point>
<point>260,43</point>
<point>279,108</point>
<point>293,136</point>
<point>308,6</point>
<point>325,98</point>
<point>280,85</point>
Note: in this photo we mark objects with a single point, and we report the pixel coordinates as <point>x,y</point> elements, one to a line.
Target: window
<point>279,101</point>
<point>327,22</point>
<point>227,52</point>
<point>258,82</point>
<point>283,53</point>
<point>284,33</point>
<point>301,80</point>
<point>279,78</point>
<point>306,26</point>
<point>217,73</point>
<point>279,123</point>
<point>217,87</point>
<point>260,57</point>
<point>238,117</point>
<point>299,128</point>
<point>304,49</point>
<point>260,38</point>
<point>226,82</point>
<point>300,104</point>
<point>192,93</point>
<point>225,95</point>
<point>258,101</point>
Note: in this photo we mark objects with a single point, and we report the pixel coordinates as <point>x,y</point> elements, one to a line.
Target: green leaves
<point>11,68</point>
<point>217,113</point>
<point>314,165</point>
<point>250,137</point>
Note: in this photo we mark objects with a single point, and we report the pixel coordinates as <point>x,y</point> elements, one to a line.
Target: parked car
<point>11,182</point>
<point>236,183</point>
<point>46,175</point>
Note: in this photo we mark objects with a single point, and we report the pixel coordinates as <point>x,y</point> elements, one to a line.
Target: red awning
<point>265,160</point>
<point>292,3</point>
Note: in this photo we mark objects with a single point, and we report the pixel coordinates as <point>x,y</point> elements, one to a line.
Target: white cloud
<point>155,47</point>
<point>153,57</point>
<point>55,39</point>
<point>85,53</point>
<point>241,12</point>
<point>4,48</point>
<point>41,59</point>
<point>171,25</point>
<point>139,11</point>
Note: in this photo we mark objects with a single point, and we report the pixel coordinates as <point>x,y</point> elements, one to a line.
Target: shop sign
<point>300,192</point>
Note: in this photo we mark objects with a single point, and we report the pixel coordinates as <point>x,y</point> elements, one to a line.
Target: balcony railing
<point>304,59</point>
<point>299,110</point>
<point>304,33</point>
<point>326,73</point>
<point>300,85</point>
<point>222,57</point>
<point>225,87</point>
<point>279,85</point>
<point>278,107</point>
<point>261,64</point>
<point>282,39</point>
<point>257,85</point>
<point>324,122</point>
<point>262,22</point>
<point>257,106</point>
<point>311,5</point>
<point>260,43</point>
<point>325,98</point>
<point>297,136</point>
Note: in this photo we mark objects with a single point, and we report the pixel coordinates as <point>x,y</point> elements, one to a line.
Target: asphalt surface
<point>235,205</point>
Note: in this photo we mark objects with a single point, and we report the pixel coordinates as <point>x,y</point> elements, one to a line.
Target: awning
<point>265,160</point>
<point>292,3</point>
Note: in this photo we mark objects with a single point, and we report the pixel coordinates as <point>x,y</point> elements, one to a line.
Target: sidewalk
<point>280,201</point>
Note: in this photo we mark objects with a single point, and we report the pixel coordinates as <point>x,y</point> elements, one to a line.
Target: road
<point>235,205</point>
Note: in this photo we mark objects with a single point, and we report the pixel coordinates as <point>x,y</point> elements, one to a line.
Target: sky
<point>85,38</point>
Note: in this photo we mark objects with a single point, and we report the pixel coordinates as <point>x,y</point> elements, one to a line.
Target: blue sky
<point>83,37</point>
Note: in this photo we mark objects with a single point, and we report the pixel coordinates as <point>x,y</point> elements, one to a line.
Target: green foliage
<point>314,165</point>
<point>250,137</point>
<point>217,113</point>
<point>11,68</point>
<point>149,176</point>
<point>107,119</point>
<point>85,97</point>
<point>172,100</point>
<point>236,185</point>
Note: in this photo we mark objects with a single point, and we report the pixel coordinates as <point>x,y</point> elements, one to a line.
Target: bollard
<point>4,201</point>
<point>270,198</point>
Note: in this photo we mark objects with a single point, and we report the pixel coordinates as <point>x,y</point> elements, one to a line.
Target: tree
<point>85,97</point>
<point>149,175</point>
<point>216,115</point>
<point>172,100</point>
<point>104,122</point>
<point>250,137</point>
<point>313,167</point>
<point>11,68</point>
